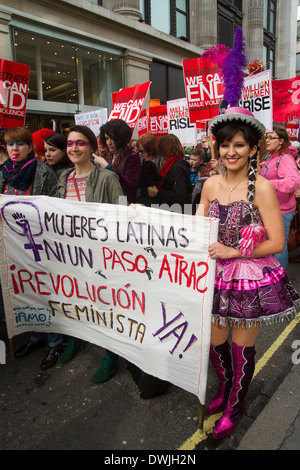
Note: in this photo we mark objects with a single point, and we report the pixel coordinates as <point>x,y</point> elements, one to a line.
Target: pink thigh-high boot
<point>243,364</point>
<point>220,357</point>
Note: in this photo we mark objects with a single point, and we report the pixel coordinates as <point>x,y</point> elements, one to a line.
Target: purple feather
<point>233,69</point>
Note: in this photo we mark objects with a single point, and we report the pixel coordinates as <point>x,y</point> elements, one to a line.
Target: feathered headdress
<point>233,68</point>
<point>216,54</point>
<point>232,63</point>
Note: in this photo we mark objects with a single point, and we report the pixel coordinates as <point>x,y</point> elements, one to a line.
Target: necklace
<point>231,188</point>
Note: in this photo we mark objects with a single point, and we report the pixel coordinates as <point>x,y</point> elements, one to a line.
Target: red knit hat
<point>38,138</point>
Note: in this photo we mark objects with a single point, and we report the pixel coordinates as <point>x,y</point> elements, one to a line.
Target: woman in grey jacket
<point>88,182</point>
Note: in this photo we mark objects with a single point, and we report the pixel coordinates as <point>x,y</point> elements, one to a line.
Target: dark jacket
<point>177,186</point>
<point>129,174</point>
<point>149,177</point>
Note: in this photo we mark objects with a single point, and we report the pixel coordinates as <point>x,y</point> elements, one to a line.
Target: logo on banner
<point>20,224</point>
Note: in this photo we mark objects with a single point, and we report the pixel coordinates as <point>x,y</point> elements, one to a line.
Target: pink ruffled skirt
<point>248,291</point>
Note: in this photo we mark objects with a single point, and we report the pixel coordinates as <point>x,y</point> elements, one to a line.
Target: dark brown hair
<point>88,133</point>
<point>282,134</point>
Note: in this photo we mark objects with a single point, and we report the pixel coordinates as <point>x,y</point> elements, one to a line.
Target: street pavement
<point>59,409</point>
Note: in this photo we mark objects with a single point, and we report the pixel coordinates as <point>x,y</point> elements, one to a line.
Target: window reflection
<point>66,73</point>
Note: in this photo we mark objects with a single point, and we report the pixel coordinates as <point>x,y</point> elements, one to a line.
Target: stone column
<point>129,8</point>
<point>204,23</point>
<point>5,19</point>
<point>286,44</point>
<point>137,68</point>
<point>253,28</point>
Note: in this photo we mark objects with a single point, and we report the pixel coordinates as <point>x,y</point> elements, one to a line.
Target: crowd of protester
<point>150,171</point>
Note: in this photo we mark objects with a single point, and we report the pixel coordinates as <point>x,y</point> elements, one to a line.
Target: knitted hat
<point>38,138</point>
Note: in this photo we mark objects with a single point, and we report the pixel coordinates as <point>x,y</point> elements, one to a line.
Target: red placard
<point>204,88</point>
<point>158,120</point>
<point>128,103</point>
<point>14,80</point>
<point>292,130</point>
<point>286,99</point>
<point>143,123</point>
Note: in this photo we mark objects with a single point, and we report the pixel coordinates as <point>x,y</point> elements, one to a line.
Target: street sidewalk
<point>278,425</point>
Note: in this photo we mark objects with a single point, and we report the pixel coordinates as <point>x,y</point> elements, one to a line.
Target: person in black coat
<point>175,187</point>
<point>147,147</point>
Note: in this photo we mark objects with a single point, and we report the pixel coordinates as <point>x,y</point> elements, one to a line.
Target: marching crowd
<point>256,206</point>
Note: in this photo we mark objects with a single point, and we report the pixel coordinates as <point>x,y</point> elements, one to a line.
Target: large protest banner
<point>179,122</point>
<point>286,99</point>
<point>258,98</point>
<point>128,103</point>
<point>138,282</point>
<point>204,88</point>
<point>14,80</point>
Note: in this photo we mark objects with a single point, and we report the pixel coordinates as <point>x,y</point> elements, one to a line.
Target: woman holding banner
<point>23,174</point>
<point>88,182</point>
<point>251,287</point>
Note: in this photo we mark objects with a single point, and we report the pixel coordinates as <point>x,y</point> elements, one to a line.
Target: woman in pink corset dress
<point>251,287</point>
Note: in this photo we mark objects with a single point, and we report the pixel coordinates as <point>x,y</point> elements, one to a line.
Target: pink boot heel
<point>224,426</point>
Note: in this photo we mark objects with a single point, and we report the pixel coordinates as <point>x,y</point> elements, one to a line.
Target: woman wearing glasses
<point>92,183</point>
<point>279,167</point>
<point>22,174</point>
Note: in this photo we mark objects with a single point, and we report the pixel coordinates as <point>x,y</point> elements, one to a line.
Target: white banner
<point>138,282</point>
<point>257,96</point>
<point>179,122</point>
<point>92,119</point>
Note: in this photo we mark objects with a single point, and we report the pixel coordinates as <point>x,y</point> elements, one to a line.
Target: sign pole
<point>201,418</point>
<point>11,348</point>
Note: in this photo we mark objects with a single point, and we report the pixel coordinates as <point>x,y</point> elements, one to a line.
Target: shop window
<point>67,73</point>
<point>168,16</point>
<point>230,16</point>
<point>167,82</point>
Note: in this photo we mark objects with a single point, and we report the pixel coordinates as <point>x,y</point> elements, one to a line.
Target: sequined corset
<point>232,219</point>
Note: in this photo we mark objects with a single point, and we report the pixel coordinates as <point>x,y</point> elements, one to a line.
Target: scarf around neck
<point>22,175</point>
<point>166,167</point>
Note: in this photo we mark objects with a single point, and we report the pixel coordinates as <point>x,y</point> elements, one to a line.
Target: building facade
<point>80,51</point>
